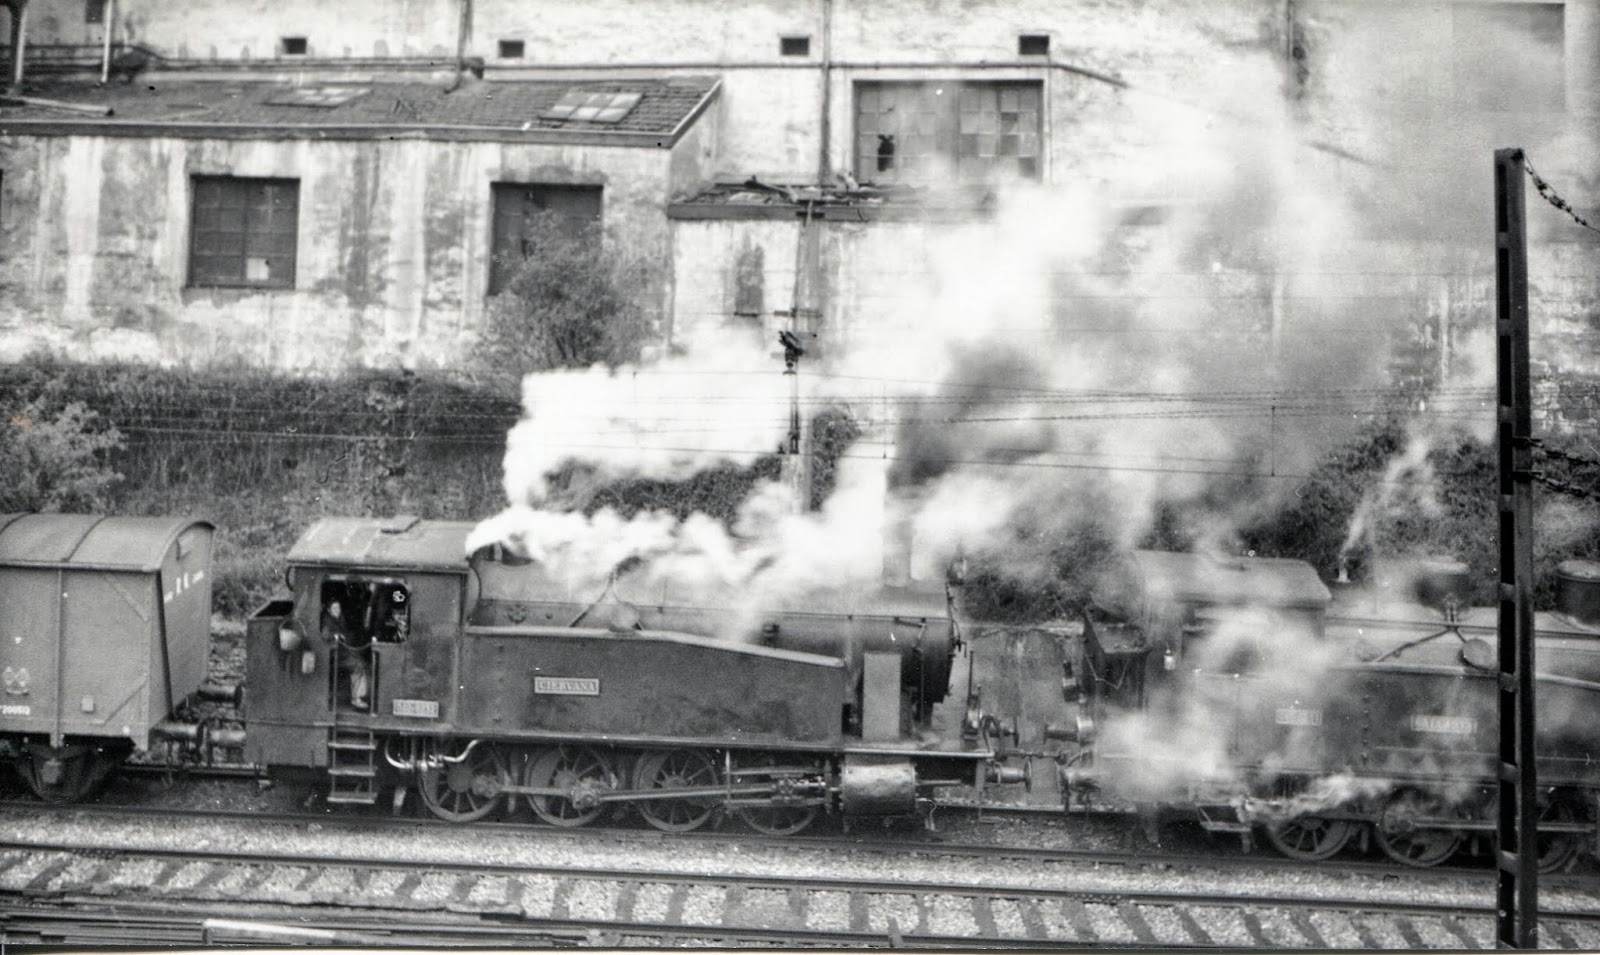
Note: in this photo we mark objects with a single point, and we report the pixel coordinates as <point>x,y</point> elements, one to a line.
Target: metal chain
<point>1563,487</point>
<point>1568,457</point>
<point>1551,197</point>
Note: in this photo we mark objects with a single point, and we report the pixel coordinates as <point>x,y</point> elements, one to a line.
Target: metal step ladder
<point>352,765</point>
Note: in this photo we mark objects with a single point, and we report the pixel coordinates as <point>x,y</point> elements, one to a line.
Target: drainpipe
<point>824,166</point>
<point>110,18</point>
<point>19,33</point>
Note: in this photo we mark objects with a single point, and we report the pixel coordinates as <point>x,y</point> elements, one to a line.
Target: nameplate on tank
<point>427,709</point>
<point>1296,716</point>
<point>1444,725</point>
<point>567,685</point>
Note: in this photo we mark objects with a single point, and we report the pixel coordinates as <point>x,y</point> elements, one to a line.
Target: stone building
<point>837,143</point>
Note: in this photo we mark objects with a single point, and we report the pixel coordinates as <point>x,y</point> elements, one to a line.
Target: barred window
<point>244,232</point>
<point>973,130</point>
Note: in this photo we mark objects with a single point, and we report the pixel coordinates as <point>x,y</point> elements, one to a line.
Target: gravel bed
<point>424,846</point>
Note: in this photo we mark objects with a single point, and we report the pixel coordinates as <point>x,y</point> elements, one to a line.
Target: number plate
<point>1295,716</point>
<point>427,709</point>
<point>1444,725</point>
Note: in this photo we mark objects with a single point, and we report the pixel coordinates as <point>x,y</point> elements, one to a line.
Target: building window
<point>511,49</point>
<point>244,232</point>
<point>94,11</point>
<point>1510,56</point>
<point>294,46</point>
<point>1033,44</point>
<point>794,45</point>
<point>972,130</point>
<point>522,210</point>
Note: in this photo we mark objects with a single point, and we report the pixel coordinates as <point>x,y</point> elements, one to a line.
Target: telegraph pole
<point>1517,907</point>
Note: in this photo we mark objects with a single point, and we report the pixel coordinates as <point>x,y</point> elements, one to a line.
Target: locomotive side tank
<point>488,685</point>
<point>104,632</point>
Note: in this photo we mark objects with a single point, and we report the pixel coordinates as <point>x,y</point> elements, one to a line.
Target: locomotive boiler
<point>1243,692</point>
<point>487,686</point>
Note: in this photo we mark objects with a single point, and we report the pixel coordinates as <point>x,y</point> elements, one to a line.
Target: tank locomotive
<point>1244,694</point>
<point>477,683</point>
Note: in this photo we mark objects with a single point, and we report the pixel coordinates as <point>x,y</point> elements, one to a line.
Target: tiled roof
<point>515,107</point>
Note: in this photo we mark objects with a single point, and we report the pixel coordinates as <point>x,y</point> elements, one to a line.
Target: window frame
<point>948,123</point>
<point>203,239</point>
<point>575,193</point>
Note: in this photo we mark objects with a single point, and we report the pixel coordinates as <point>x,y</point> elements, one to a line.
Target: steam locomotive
<point>476,681</point>
<point>1240,692</point>
<point>1245,694</point>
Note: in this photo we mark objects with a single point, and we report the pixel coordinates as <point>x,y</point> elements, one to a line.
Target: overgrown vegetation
<point>263,455</point>
<point>54,456</point>
<point>570,302</point>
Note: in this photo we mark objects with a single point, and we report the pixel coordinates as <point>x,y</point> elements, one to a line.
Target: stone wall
<point>392,256</point>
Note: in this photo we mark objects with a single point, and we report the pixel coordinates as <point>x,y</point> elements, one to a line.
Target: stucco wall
<point>252,29</point>
<point>392,259</point>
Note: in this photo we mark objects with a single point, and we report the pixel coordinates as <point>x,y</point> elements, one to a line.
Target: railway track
<point>54,892</point>
<point>1187,848</point>
<point>49,883</point>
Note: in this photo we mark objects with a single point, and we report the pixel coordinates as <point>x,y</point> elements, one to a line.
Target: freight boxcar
<point>480,684</point>
<point>104,632</point>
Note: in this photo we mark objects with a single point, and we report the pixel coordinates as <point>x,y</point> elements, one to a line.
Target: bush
<point>55,458</point>
<point>572,302</point>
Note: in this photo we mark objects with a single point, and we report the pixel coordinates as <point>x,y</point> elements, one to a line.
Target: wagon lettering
<point>567,685</point>
<point>1444,725</point>
<point>15,709</point>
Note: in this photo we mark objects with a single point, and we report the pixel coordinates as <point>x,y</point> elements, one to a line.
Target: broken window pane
<point>906,131</point>
<point>243,232</point>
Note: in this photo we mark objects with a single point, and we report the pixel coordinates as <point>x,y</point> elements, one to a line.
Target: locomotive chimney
<point>1578,590</point>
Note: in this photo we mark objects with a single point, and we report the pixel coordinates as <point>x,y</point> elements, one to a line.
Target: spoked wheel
<point>1558,849</point>
<point>1404,841</point>
<point>677,769</point>
<point>64,775</point>
<point>462,791</point>
<point>583,772</point>
<point>1310,838</point>
<point>776,819</point>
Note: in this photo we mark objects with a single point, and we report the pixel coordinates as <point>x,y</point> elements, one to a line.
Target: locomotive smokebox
<point>1578,590</point>
<point>1442,584</point>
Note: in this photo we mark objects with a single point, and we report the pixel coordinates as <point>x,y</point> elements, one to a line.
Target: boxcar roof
<point>90,541</point>
<point>1232,581</point>
<point>402,543</point>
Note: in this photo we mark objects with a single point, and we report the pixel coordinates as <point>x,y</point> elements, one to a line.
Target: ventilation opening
<point>294,46</point>
<point>794,45</point>
<point>511,49</point>
<point>1033,44</point>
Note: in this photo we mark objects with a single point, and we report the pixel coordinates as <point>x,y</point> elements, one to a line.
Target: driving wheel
<point>1404,840</point>
<point>462,791</point>
<point>582,772</point>
<point>1310,838</point>
<point>677,769</point>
